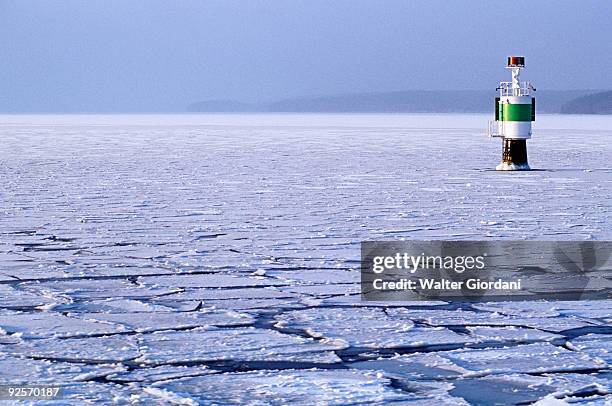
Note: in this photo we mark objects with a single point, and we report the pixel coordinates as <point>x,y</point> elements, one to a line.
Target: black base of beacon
<point>514,156</point>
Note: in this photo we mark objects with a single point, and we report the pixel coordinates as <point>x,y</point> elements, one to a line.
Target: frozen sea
<point>213,259</point>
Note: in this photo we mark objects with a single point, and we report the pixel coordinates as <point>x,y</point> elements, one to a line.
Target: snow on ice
<point>215,259</point>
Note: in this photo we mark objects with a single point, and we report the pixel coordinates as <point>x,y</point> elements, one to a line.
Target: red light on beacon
<point>516,61</point>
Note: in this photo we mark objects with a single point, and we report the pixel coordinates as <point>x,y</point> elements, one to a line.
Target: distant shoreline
<point>585,101</point>
<point>411,101</point>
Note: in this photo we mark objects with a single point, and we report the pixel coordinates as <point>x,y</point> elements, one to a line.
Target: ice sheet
<point>143,258</point>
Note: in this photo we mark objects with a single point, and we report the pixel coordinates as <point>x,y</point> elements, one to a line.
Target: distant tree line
<point>597,103</point>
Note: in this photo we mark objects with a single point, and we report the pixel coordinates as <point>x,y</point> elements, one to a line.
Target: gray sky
<point>159,55</point>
